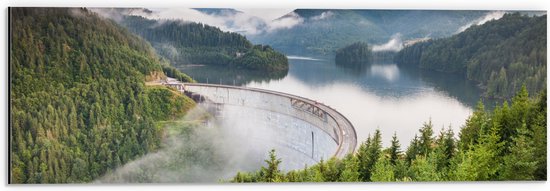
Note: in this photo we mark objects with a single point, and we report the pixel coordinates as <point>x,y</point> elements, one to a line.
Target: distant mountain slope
<point>501,55</point>
<point>421,23</point>
<point>196,43</point>
<point>324,31</point>
<point>78,102</point>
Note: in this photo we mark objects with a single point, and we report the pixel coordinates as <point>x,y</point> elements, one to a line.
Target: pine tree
<point>369,152</point>
<point>333,170</point>
<point>539,136</point>
<point>482,160</point>
<point>520,163</point>
<point>426,139</point>
<point>351,169</point>
<point>272,172</point>
<point>383,170</point>
<point>472,129</point>
<point>412,150</point>
<point>423,169</point>
<point>401,171</point>
<point>395,149</point>
<point>445,148</point>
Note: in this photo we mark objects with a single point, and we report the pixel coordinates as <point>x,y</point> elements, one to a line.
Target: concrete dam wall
<point>302,131</point>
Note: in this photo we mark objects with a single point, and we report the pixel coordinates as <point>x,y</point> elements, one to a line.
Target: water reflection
<point>386,79</point>
<point>389,72</point>
<point>229,76</point>
<point>368,111</point>
<point>380,95</point>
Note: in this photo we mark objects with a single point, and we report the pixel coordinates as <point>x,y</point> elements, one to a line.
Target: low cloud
<point>324,15</point>
<point>249,22</point>
<point>394,44</point>
<point>117,14</point>
<point>288,21</point>
<point>495,15</point>
<point>213,150</point>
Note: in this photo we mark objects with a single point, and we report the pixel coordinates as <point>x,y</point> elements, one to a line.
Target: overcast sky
<point>250,21</point>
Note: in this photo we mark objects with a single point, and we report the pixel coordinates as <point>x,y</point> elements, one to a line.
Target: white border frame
<point>332,4</point>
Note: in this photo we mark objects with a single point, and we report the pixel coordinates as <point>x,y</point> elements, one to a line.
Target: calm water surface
<point>381,95</point>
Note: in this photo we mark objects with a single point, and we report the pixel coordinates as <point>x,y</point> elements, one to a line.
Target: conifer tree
<point>395,149</point>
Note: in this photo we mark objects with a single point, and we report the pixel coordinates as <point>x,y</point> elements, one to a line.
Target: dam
<point>302,131</point>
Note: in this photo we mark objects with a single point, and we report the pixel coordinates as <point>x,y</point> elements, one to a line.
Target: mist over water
<point>302,58</point>
<point>212,147</point>
<point>382,95</point>
<point>393,112</point>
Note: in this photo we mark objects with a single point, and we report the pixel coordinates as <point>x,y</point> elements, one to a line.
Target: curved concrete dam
<point>302,131</point>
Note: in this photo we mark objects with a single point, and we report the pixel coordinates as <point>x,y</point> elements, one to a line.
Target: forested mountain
<point>323,31</point>
<point>355,55</point>
<point>195,43</point>
<point>508,143</point>
<point>78,102</point>
<point>501,55</point>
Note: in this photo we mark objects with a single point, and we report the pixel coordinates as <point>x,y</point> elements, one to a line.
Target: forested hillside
<point>501,55</point>
<point>323,31</point>
<point>356,54</point>
<point>78,103</point>
<point>196,43</point>
<point>507,143</point>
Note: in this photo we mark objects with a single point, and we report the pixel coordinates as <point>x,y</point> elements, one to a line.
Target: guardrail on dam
<point>304,130</point>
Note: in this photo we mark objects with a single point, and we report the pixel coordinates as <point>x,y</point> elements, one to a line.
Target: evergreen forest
<point>79,106</point>
<point>507,143</point>
<point>356,54</point>
<point>85,96</point>
<point>501,55</point>
<point>196,43</point>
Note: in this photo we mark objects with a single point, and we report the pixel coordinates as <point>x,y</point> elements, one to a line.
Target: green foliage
<point>395,149</point>
<point>426,139</point>
<point>401,172</point>
<point>501,55</point>
<point>165,104</point>
<point>356,55</point>
<point>369,152</point>
<point>424,169</point>
<point>339,28</point>
<point>197,43</point>
<point>175,73</point>
<point>482,160</point>
<point>520,163</point>
<point>78,101</point>
<point>383,170</point>
<point>539,128</point>
<point>262,58</point>
<point>272,172</point>
<point>445,150</point>
<point>470,133</point>
<point>412,150</point>
<point>480,154</point>
<point>351,169</point>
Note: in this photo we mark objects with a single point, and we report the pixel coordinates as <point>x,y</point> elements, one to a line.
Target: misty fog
<point>197,149</point>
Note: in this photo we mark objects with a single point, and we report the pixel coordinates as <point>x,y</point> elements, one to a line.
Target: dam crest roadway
<point>304,131</point>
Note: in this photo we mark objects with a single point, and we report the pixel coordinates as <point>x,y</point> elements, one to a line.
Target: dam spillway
<point>302,131</point>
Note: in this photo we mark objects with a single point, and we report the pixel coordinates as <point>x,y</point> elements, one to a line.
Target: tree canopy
<point>196,43</point>
<point>491,153</point>
<point>502,55</point>
<point>78,102</point>
<point>355,55</point>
